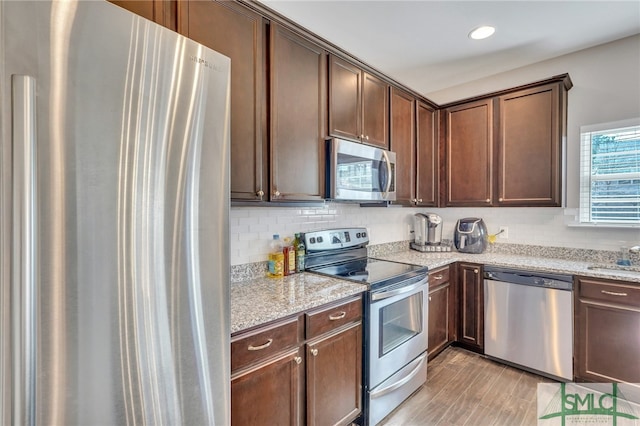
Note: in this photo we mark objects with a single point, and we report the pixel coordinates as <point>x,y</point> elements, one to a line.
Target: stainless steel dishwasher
<point>528,320</point>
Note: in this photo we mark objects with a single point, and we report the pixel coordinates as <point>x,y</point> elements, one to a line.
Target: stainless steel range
<point>396,313</point>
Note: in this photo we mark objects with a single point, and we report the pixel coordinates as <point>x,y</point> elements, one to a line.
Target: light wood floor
<point>464,388</point>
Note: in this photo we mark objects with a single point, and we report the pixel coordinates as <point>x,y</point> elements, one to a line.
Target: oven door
<point>397,328</point>
<point>360,172</point>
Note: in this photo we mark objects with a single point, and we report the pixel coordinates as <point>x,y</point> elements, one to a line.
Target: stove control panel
<point>331,239</point>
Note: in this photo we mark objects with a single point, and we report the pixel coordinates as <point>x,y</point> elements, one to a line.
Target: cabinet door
<point>161,12</point>
<point>334,368</point>
<point>240,34</point>
<point>439,319</point>
<point>375,111</point>
<point>607,336</point>
<point>530,147</point>
<point>469,154</point>
<point>427,167</point>
<point>345,81</point>
<point>471,320</point>
<point>404,145</point>
<point>298,117</point>
<point>270,393</point>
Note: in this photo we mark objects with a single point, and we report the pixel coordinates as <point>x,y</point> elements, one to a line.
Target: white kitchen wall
<point>606,88</point>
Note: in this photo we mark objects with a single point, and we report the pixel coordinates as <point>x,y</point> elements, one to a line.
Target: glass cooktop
<point>372,271</point>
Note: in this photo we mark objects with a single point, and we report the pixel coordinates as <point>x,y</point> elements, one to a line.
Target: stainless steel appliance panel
<point>393,391</point>
<point>360,172</point>
<point>531,326</point>
<point>398,328</point>
<point>120,176</point>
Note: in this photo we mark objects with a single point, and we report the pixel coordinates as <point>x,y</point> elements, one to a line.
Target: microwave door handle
<point>389,177</point>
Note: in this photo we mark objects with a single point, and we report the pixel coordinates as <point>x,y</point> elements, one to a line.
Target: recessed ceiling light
<point>482,32</point>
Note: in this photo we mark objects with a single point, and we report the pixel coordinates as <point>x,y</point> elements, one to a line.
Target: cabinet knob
<point>260,193</point>
<point>298,360</point>
<point>500,199</point>
<point>361,136</point>
<point>488,200</point>
<point>276,193</point>
<point>314,352</point>
<point>414,201</point>
<point>419,200</point>
<point>475,271</point>
<point>429,298</point>
<point>366,137</point>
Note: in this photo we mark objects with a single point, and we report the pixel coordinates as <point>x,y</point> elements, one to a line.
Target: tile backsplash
<point>252,228</point>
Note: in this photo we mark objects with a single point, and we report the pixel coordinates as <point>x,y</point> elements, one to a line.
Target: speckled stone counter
<point>261,300</point>
<point>257,301</point>
<point>532,263</point>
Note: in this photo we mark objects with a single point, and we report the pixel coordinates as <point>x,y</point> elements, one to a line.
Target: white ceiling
<point>424,44</point>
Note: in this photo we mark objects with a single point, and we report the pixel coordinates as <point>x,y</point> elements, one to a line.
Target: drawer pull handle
<point>613,293</point>
<point>314,352</point>
<point>438,277</point>
<point>298,360</point>
<point>257,348</point>
<point>339,316</point>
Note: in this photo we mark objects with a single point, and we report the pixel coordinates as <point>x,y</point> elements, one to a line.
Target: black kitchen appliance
<point>395,316</point>
<point>470,235</point>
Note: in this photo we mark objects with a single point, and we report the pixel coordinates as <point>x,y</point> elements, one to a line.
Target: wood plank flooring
<point>464,388</point>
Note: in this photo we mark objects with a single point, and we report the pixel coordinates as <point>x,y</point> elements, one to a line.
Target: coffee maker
<point>427,228</point>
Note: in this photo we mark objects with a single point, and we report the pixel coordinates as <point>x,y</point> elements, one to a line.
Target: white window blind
<point>610,173</point>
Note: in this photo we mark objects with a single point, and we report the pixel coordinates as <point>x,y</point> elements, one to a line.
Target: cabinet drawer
<point>328,319</point>
<point>259,345</point>
<point>438,276</point>
<point>610,292</point>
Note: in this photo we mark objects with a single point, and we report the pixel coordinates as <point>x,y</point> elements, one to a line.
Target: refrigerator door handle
<point>24,246</point>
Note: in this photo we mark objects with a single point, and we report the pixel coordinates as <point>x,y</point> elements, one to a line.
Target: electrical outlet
<point>504,232</point>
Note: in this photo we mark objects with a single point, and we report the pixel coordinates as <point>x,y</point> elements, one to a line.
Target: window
<point>610,173</point>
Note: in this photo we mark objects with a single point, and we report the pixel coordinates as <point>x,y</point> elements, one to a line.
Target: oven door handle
<point>387,294</point>
<point>382,392</point>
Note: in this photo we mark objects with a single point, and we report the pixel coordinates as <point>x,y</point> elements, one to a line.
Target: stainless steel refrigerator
<point>114,197</point>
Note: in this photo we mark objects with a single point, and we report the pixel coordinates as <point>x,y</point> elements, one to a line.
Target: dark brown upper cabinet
<point>163,12</point>
<point>358,104</point>
<point>298,117</point>
<point>469,154</point>
<point>505,149</point>
<point>240,34</point>
<point>428,159</point>
<point>403,143</point>
<point>529,146</point>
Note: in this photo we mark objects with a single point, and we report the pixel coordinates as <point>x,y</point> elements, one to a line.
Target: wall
<point>606,88</point>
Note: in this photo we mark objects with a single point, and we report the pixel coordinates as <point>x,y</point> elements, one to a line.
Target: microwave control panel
<point>330,239</point>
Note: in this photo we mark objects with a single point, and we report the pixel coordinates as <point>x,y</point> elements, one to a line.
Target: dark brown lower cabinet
<point>279,378</point>
<point>441,326</point>
<point>334,377</point>
<point>607,331</point>
<point>272,390</point>
<point>471,305</point>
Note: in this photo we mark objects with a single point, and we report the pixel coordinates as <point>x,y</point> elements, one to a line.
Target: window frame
<point>585,208</point>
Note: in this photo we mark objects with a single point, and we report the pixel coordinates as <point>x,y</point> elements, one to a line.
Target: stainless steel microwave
<point>358,172</point>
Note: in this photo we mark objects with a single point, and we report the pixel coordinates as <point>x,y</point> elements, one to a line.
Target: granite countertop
<point>258,301</point>
<point>531,263</point>
<point>261,300</point>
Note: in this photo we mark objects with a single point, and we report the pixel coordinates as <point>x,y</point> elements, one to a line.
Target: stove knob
<point>319,239</point>
<point>357,235</point>
<point>364,235</point>
<point>312,240</point>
